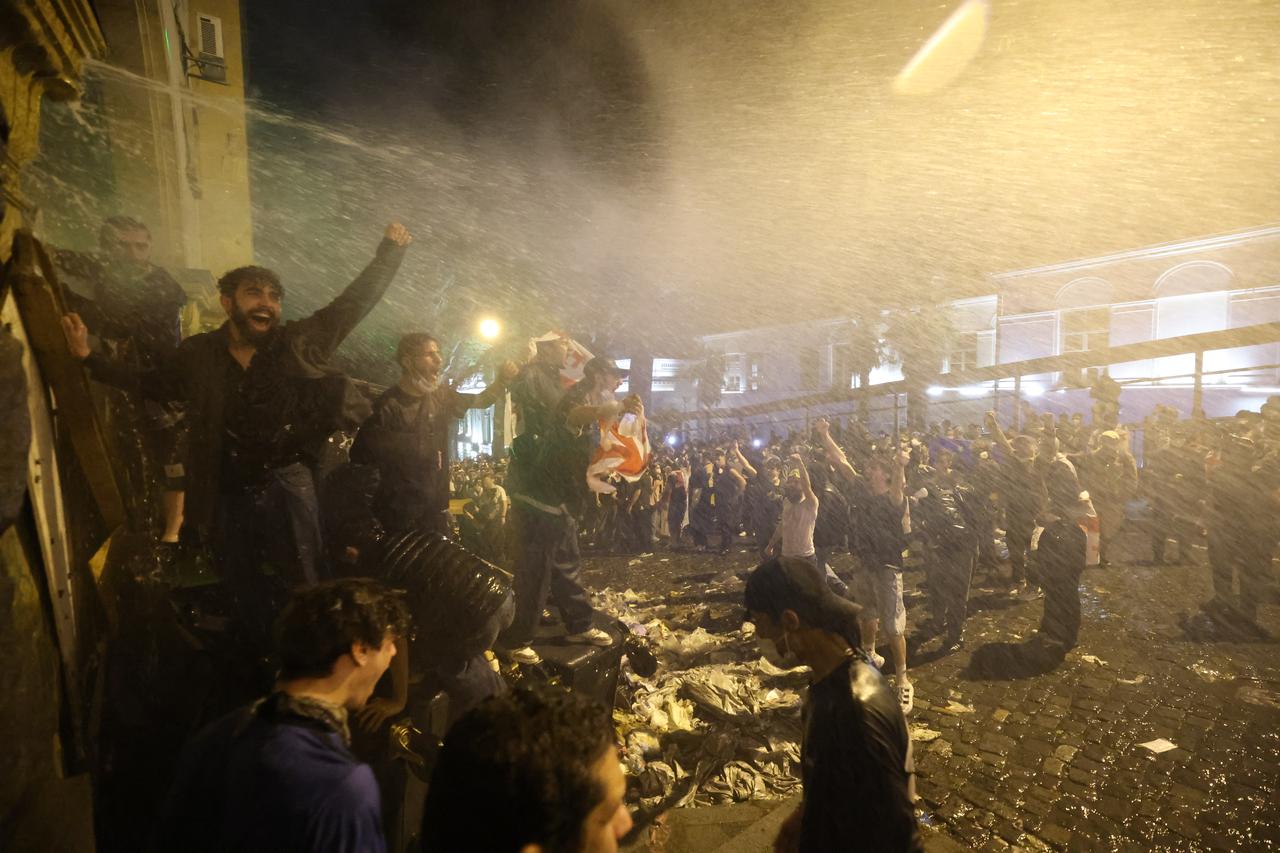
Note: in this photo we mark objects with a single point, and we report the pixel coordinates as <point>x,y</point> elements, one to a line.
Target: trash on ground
<point>954,707</point>
<point>1159,745</point>
<point>923,734</point>
<point>715,717</point>
<point>1210,675</point>
<point>1258,696</point>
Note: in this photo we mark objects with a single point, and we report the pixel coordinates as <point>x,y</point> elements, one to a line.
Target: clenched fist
<point>398,234</point>
<point>508,372</point>
<point>77,335</point>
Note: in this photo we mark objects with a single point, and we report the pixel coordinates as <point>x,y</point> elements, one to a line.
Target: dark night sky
<point>746,162</point>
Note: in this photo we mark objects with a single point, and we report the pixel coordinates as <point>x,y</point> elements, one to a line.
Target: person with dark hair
<point>882,519</point>
<point>1022,496</point>
<point>1244,494</point>
<point>528,772</point>
<point>408,436</point>
<point>856,752</point>
<point>548,486</point>
<point>280,775</point>
<point>261,399</point>
<point>134,308</point>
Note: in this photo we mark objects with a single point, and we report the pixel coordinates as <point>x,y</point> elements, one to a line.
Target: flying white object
<point>941,59</point>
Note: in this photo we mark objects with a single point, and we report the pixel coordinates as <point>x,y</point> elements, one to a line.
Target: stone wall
<point>42,807</point>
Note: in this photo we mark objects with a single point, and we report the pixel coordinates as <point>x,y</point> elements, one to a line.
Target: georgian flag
<point>623,450</point>
<point>575,360</point>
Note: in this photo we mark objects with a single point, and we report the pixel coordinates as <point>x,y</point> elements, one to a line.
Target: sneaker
<point>906,696</point>
<point>594,636</point>
<point>876,660</point>
<point>526,655</point>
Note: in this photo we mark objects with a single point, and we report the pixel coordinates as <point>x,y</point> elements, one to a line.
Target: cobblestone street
<point>1010,755</point>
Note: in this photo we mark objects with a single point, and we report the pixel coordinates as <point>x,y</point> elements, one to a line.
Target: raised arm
<point>162,383</point>
<point>742,460</point>
<point>1001,439</point>
<point>325,330</point>
<point>809,494</point>
<point>834,454</point>
<point>898,477</point>
<point>490,395</point>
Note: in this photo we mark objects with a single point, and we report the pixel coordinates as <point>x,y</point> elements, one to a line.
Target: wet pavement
<point>1012,752</point>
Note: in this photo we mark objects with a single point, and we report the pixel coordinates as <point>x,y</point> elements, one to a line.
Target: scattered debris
<point>1093,659</point>
<point>1210,675</point>
<point>716,723</point>
<point>923,734</point>
<point>1159,745</point>
<point>1137,679</point>
<point>1258,696</point>
<point>1000,715</point>
<point>954,707</point>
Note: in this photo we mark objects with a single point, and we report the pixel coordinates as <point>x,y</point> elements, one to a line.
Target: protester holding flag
<point>547,484</point>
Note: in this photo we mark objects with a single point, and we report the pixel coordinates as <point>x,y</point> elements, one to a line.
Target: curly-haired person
<point>528,772</point>
<point>280,775</point>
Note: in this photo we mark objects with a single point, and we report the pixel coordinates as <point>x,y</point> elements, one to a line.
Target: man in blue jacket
<point>280,775</point>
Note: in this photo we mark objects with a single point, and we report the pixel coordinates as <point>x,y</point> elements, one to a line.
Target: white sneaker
<point>594,636</point>
<point>876,660</point>
<point>526,655</point>
<point>906,696</point>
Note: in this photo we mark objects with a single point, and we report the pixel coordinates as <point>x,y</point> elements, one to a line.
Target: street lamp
<point>490,329</point>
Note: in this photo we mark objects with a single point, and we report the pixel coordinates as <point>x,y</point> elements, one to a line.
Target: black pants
<point>952,572</point>
<point>1060,562</point>
<point>546,563</point>
<point>728,520</point>
<point>1017,536</point>
<point>1166,526</point>
<point>1242,557</point>
<point>642,521</point>
<point>279,525</point>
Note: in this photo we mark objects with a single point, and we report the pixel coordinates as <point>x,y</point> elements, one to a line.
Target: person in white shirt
<point>794,534</point>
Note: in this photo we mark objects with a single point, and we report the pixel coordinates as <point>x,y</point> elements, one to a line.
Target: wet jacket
<point>269,779</point>
<point>287,401</point>
<point>855,766</point>
<point>408,439</point>
<point>144,311</point>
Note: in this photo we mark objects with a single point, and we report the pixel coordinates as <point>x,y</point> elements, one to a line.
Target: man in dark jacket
<point>409,433</point>
<point>280,775</point>
<point>260,398</point>
<point>856,752</point>
<point>134,308</point>
<point>548,484</point>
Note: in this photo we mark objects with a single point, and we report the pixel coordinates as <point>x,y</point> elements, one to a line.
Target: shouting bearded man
<point>261,399</point>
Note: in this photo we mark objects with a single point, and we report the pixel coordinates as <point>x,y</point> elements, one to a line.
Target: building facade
<point>1152,293</point>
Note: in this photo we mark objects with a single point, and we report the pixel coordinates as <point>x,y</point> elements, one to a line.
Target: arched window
<point>1084,314</point>
<point>1192,298</point>
<point>1195,277</point>
<point>1084,293</point>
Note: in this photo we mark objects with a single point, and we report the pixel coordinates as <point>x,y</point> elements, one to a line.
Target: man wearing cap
<point>548,484</point>
<point>855,752</point>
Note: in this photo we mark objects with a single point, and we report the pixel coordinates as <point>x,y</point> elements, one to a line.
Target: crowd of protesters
<point>259,400</point>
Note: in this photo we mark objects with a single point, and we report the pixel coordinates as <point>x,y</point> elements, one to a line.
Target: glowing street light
<point>490,328</point>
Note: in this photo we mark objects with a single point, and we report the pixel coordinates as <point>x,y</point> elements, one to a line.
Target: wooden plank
<point>39,302</point>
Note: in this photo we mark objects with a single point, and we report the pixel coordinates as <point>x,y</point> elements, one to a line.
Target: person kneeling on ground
<point>280,775</point>
<point>528,772</point>
<point>856,753</point>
